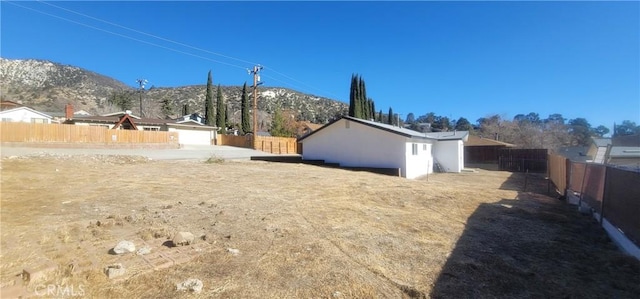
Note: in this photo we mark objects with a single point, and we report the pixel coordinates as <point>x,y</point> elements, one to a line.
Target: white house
<point>25,114</point>
<point>354,142</point>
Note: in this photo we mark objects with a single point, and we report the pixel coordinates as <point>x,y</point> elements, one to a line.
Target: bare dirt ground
<point>301,231</point>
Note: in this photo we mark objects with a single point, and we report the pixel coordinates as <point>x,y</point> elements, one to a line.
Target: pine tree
<point>390,118</point>
<point>208,103</point>
<point>246,120</point>
<point>220,117</point>
<point>277,125</point>
<point>166,107</point>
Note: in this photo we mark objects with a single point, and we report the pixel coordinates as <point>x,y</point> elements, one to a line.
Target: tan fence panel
<point>622,201</point>
<point>238,141</point>
<point>61,133</point>
<point>558,172</point>
<point>576,176</point>
<point>269,144</point>
<point>277,145</point>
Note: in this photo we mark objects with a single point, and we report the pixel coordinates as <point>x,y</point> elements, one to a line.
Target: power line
<point>299,81</point>
<point>166,40</point>
<point>147,34</point>
<point>127,37</point>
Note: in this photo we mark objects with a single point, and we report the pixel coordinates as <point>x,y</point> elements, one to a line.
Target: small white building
<point>26,115</point>
<point>354,142</point>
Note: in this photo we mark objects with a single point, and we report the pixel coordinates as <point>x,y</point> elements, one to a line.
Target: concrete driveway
<point>188,152</point>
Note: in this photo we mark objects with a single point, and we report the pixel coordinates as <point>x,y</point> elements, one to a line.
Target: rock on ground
<point>191,284</point>
<point>143,251</point>
<point>233,251</point>
<point>124,247</point>
<point>114,270</point>
<point>183,238</point>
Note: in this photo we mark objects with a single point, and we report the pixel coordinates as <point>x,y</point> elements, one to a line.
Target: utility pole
<point>256,78</point>
<point>141,83</point>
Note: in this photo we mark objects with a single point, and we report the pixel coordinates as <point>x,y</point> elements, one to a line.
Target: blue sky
<point>469,59</point>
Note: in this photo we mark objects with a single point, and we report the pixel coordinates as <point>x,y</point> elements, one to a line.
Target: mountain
<point>49,86</point>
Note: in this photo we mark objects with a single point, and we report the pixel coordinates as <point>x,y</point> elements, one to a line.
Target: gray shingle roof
<point>602,142</point>
<point>624,152</point>
<point>460,135</point>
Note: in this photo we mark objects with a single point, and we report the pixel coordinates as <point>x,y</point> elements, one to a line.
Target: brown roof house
<point>306,128</point>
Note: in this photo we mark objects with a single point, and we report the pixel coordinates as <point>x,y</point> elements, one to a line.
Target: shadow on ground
<point>535,246</point>
<point>527,182</point>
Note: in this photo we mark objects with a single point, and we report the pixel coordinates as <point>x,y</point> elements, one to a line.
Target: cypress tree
<point>208,103</point>
<point>185,109</point>
<point>363,99</point>
<point>357,111</point>
<point>226,115</point>
<point>359,105</point>
<point>373,109</point>
<point>220,109</point>
<point>380,116</point>
<point>390,119</point>
<point>246,120</point>
<point>352,96</point>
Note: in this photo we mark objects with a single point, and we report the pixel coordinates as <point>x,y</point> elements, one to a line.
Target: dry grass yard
<point>302,231</point>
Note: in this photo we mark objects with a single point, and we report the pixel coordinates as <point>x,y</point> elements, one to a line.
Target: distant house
<point>307,128</point>
<point>190,130</point>
<point>574,153</point>
<point>624,152</point>
<point>6,105</point>
<point>598,149</point>
<point>354,142</point>
<point>26,115</point>
<point>479,150</point>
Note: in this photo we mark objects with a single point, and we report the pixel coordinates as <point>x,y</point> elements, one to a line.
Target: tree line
<point>524,130</point>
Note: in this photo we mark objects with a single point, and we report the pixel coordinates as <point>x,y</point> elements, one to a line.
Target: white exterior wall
<point>600,155</point>
<point>357,146</point>
<point>23,115</point>
<point>420,164</point>
<point>450,155</point>
<point>193,136</point>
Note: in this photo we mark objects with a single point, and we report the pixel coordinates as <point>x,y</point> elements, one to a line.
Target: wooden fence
<point>558,171</point>
<point>611,192</point>
<point>269,144</point>
<point>523,160</point>
<point>621,201</point>
<point>231,140</point>
<point>482,154</point>
<point>60,133</point>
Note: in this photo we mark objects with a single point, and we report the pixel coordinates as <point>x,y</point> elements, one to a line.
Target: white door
<point>194,136</point>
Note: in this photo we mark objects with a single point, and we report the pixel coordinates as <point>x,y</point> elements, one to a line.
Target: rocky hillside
<point>48,86</point>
